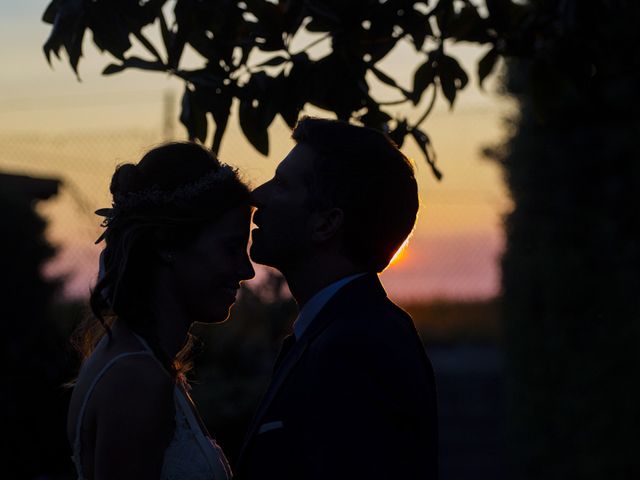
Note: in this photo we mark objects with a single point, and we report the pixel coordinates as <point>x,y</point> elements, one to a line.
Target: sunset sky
<point>53,125</point>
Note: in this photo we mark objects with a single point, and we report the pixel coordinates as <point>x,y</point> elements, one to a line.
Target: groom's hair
<point>361,171</point>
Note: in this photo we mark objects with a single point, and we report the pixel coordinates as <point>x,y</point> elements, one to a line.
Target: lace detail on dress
<point>191,455</point>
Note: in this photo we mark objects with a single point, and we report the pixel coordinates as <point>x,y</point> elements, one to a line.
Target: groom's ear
<point>326,224</point>
<point>161,249</point>
<point>165,255</point>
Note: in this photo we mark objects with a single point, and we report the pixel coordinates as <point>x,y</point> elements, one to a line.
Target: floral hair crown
<point>155,197</point>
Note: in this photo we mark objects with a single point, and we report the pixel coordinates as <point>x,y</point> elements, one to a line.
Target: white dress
<point>191,455</point>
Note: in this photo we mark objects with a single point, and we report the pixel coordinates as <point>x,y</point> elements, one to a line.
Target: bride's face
<point>208,273</point>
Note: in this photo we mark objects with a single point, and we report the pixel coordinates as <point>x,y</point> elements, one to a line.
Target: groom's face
<point>282,214</point>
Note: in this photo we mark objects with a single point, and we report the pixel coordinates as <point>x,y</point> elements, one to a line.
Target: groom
<point>352,394</point>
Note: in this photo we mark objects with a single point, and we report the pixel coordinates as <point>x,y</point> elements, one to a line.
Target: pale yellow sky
<point>46,115</point>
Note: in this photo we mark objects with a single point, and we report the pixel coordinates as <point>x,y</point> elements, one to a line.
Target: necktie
<point>287,344</point>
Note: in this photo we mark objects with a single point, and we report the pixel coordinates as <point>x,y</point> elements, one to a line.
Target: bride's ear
<point>326,224</point>
<point>161,249</point>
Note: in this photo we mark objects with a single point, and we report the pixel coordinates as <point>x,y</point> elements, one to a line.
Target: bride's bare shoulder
<point>135,379</point>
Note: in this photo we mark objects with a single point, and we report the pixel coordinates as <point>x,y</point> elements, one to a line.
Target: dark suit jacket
<point>354,398</point>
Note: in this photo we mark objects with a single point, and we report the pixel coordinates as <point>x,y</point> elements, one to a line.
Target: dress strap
<point>146,346</point>
<point>87,396</point>
<point>208,446</point>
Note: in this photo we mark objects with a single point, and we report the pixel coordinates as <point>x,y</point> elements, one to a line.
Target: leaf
<point>268,30</point>
<point>252,128</point>
<point>68,31</point>
<point>423,141</point>
<point>323,18</point>
<point>258,108</point>
<point>499,14</point>
<point>293,16</point>
<point>338,85</point>
<point>416,24</point>
<point>452,77</point>
<point>148,45</point>
<point>218,102</point>
<point>468,26</point>
<point>296,88</point>
<point>486,64</point>
<point>398,133</point>
<point>273,61</point>
<point>204,77</point>
<point>49,15</point>
<point>135,62</point>
<point>221,117</point>
<point>448,85</point>
<point>383,77</point>
<point>193,117</point>
<point>423,77</point>
<point>290,103</point>
<point>264,92</point>
<point>167,34</point>
<point>183,13</point>
<point>375,118</point>
<point>113,68</point>
<point>444,13</point>
<point>109,30</point>
<point>73,47</point>
<point>270,17</point>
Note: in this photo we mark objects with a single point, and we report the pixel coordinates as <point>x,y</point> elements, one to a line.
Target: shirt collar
<point>315,304</point>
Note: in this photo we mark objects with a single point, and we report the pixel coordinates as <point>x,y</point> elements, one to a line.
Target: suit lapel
<point>368,283</point>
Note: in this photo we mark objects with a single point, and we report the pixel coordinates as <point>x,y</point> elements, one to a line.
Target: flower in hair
<point>155,197</point>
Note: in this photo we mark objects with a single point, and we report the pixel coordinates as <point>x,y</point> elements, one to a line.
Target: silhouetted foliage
<point>571,271</point>
<point>33,402</point>
<point>246,53</point>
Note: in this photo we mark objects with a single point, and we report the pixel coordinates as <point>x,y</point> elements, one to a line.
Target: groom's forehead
<point>298,163</point>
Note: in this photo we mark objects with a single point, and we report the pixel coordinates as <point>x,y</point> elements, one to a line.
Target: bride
<point>176,251</point>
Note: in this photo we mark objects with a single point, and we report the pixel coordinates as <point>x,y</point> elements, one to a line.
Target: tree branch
<point>314,43</point>
<point>149,46</point>
<point>429,108</point>
<point>393,102</point>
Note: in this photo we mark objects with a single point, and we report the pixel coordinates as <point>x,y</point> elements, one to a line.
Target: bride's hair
<point>162,202</point>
